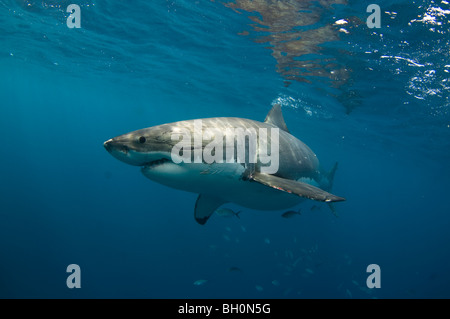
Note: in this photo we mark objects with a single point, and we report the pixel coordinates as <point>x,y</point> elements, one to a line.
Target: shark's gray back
<point>296,159</point>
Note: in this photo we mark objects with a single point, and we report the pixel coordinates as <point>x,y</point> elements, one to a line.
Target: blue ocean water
<point>376,100</point>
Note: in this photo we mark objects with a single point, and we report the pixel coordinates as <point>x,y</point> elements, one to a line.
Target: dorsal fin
<point>275,117</point>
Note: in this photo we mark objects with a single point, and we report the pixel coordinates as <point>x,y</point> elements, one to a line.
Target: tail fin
<point>330,175</point>
<point>333,209</point>
<point>330,178</point>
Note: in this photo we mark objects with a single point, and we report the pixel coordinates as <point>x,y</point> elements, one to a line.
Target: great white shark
<point>298,174</point>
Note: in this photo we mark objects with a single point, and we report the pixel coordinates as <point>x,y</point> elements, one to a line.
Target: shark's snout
<point>112,145</point>
<point>131,150</point>
<point>108,144</point>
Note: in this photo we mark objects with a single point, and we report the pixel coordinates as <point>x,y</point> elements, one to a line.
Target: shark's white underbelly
<point>222,181</point>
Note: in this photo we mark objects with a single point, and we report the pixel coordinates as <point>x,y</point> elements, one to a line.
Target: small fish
<point>289,254</point>
<point>315,207</point>
<point>259,288</point>
<point>226,212</point>
<point>287,291</point>
<point>276,283</point>
<point>200,282</point>
<point>309,271</point>
<point>297,261</point>
<point>267,240</point>
<point>290,213</point>
<point>234,269</point>
<point>349,294</point>
<point>226,237</point>
<point>355,282</point>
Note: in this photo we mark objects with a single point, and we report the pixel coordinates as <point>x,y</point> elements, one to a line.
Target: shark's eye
<point>142,140</point>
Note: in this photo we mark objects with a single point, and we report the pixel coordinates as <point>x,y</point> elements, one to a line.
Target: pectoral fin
<point>294,187</point>
<point>205,207</point>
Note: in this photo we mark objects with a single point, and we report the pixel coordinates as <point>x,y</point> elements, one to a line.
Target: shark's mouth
<point>157,162</point>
